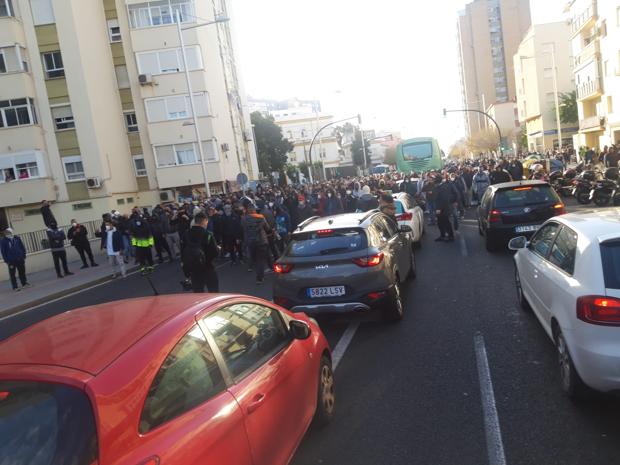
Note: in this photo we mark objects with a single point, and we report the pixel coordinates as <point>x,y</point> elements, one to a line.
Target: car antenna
<point>155,293</point>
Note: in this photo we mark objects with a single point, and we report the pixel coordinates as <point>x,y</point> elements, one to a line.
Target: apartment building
<point>595,40</point>
<point>544,62</point>
<point>489,33</point>
<point>95,111</point>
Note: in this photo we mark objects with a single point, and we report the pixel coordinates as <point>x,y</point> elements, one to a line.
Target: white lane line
<point>463,245</point>
<point>343,343</point>
<point>495,446</point>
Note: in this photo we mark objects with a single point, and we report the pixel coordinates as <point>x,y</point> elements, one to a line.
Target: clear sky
<point>393,61</point>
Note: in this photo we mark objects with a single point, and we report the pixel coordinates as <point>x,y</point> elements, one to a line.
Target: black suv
<point>514,209</point>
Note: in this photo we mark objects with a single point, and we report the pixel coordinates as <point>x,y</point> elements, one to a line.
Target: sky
<point>394,61</point>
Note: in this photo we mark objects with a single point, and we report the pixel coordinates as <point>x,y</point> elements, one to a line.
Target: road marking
<point>343,343</point>
<point>495,446</point>
<point>462,245</point>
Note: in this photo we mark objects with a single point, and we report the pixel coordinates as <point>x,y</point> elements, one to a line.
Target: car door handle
<point>257,401</point>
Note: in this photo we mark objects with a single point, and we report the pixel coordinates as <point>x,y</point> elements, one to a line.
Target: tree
<point>272,147</point>
<point>568,107</point>
<point>357,150</point>
<point>390,156</point>
<point>522,139</point>
<point>483,141</point>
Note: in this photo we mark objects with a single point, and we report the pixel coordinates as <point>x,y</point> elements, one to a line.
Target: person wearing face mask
<point>114,249</point>
<point>142,239</point>
<point>14,255</point>
<point>332,205</point>
<point>199,251</point>
<point>231,234</point>
<point>350,202</point>
<point>56,238</point>
<point>78,235</point>
<point>304,211</point>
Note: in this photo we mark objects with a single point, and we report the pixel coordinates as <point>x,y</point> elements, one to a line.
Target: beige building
<point>95,112</point>
<point>505,114</point>
<point>536,80</point>
<point>489,32</point>
<point>595,39</point>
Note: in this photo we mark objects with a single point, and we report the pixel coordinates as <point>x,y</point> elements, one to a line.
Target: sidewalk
<point>46,286</point>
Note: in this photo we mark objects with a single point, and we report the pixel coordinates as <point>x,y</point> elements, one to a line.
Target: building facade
<point>506,116</point>
<point>95,112</point>
<point>595,39</point>
<point>489,32</point>
<point>543,46</point>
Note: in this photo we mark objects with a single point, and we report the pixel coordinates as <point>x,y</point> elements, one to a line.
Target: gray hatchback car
<point>353,263</point>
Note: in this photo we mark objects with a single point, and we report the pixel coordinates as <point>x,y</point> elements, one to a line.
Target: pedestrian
<point>199,251</point>
<point>283,226</point>
<point>142,240</point>
<point>46,213</point>
<point>114,248</point>
<point>367,201</point>
<point>388,207</point>
<point>499,175</point>
<point>481,183</point>
<point>159,241</point>
<point>170,225</point>
<point>231,234</point>
<point>304,211</point>
<point>78,235</point>
<point>14,255</point>
<point>444,199</point>
<point>56,238</point>
<point>515,168</point>
<point>255,232</point>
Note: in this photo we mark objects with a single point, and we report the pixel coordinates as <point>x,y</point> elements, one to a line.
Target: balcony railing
<point>592,50</point>
<point>592,123</point>
<point>581,20</point>
<point>589,89</point>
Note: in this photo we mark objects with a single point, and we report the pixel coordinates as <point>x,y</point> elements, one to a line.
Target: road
<point>419,392</point>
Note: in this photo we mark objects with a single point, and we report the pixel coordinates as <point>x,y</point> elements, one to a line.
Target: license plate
<point>331,291</point>
<point>520,229</point>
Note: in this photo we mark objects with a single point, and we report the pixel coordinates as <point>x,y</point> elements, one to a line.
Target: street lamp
<point>499,131</point>
<point>221,19</point>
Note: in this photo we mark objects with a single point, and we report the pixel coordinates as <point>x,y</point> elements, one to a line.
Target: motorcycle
<point>562,182</point>
<point>606,190</point>
<point>583,185</point>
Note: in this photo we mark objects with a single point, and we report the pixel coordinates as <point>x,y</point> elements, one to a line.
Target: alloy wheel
<point>328,395</point>
<point>564,361</point>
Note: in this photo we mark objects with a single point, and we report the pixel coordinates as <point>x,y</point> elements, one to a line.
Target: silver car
<point>353,263</point>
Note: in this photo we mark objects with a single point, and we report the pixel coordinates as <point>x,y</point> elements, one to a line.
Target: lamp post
<point>499,131</point>
<point>191,94</point>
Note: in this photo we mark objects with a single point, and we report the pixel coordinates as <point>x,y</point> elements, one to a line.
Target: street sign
<point>242,179</point>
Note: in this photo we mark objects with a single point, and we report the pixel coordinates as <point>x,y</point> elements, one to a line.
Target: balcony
<point>592,124</point>
<point>590,89</point>
<point>587,54</point>
<point>585,18</point>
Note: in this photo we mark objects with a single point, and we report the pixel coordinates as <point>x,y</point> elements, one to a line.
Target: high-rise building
<point>95,111</point>
<point>489,33</point>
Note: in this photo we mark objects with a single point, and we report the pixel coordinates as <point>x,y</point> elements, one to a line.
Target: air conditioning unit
<point>166,196</point>
<point>247,136</point>
<point>145,79</point>
<point>225,147</point>
<point>93,183</point>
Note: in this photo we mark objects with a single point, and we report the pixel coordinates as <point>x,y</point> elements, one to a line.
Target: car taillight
<point>377,295</point>
<point>282,268</point>
<point>370,261</point>
<point>4,395</point>
<point>599,310</point>
<point>495,216</point>
<point>405,217</point>
<point>559,209</point>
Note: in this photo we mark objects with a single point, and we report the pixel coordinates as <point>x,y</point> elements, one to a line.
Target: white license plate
<point>520,229</point>
<point>331,291</point>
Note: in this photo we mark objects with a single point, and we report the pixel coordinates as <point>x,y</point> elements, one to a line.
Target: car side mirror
<point>518,243</point>
<point>405,229</point>
<point>300,329</point>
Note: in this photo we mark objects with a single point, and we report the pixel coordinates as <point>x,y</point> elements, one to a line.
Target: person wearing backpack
<point>56,238</point>
<point>255,235</point>
<point>199,251</point>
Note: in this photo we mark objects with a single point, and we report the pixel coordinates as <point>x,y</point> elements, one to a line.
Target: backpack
<point>194,257</point>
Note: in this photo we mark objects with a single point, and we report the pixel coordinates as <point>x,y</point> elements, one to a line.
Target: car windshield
<point>327,242</point>
<point>610,254</point>
<point>46,424</point>
<point>525,196</point>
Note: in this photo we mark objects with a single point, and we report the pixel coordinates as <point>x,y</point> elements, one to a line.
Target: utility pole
<point>556,96</point>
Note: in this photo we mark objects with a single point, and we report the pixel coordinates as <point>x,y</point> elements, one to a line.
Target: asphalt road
<point>411,393</point>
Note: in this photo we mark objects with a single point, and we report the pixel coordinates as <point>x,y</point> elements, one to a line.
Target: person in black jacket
<point>78,235</point>
<point>444,199</point>
<point>46,213</point>
<point>231,233</point>
<point>199,251</point>
<point>56,238</point>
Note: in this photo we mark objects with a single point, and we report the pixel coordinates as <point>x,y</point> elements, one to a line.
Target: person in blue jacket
<point>14,255</point>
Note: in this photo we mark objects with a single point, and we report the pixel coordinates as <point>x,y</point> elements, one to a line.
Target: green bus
<point>419,154</point>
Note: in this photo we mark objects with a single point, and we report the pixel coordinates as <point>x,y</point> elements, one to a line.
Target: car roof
<point>90,338</point>
<point>347,220</point>
<point>601,224</point>
<point>509,185</point>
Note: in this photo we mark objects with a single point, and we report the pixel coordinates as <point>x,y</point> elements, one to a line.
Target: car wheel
<point>480,231</point>
<point>601,200</point>
<point>571,382</point>
<point>394,311</point>
<point>525,305</point>
<point>326,397</point>
<point>413,271</point>
<point>583,197</point>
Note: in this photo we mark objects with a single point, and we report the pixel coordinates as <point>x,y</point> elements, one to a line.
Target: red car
<point>184,379</point>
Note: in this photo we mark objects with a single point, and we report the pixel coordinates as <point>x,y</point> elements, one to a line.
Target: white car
<point>408,213</point>
<point>569,275</point>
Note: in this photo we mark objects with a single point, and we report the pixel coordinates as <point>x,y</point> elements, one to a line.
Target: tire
<point>601,200</point>
<point>326,395</point>
<point>413,272</point>
<point>394,310</point>
<point>571,382</point>
<point>525,305</point>
<point>480,231</point>
<point>583,197</point>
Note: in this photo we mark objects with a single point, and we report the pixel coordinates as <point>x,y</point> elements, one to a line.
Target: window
<point>53,65</point>
<point>131,122</point>
<point>6,8</point>
<point>17,112</point>
<point>542,241</point>
<point>21,166</point>
<point>548,73</point>
<point>27,170</point>
<point>618,16</point>
<point>2,61</point>
<point>114,31</point>
<point>42,12</point>
<point>120,201</point>
<point>168,61</point>
<point>122,77</point>
<point>610,256</point>
<point>82,206</point>
<point>550,96</point>
<point>63,118</point>
<point>188,377</point>
<point>248,335</point>
<point>326,243</point>
<point>161,12</point>
<point>139,166</point>
<point>176,107</point>
<point>564,250</point>
<point>184,154</point>
<point>74,170</point>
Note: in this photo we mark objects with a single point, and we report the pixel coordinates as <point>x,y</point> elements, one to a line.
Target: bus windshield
<point>418,150</point>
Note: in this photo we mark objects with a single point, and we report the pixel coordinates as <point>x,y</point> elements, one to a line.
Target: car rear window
<point>327,242</point>
<point>525,196</point>
<point>46,424</point>
<point>610,254</point>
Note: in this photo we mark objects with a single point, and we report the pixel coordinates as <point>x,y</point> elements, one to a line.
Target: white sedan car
<point>408,213</point>
<point>569,275</point>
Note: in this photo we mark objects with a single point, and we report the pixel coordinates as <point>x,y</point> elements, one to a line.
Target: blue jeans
<point>432,215</point>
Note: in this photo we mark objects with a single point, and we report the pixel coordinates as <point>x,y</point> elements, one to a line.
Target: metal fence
<point>36,241</point>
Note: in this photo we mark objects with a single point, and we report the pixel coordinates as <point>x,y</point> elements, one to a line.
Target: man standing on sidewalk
<point>78,235</point>
<point>114,248</point>
<point>255,232</point>
<point>56,239</point>
<point>14,255</point>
